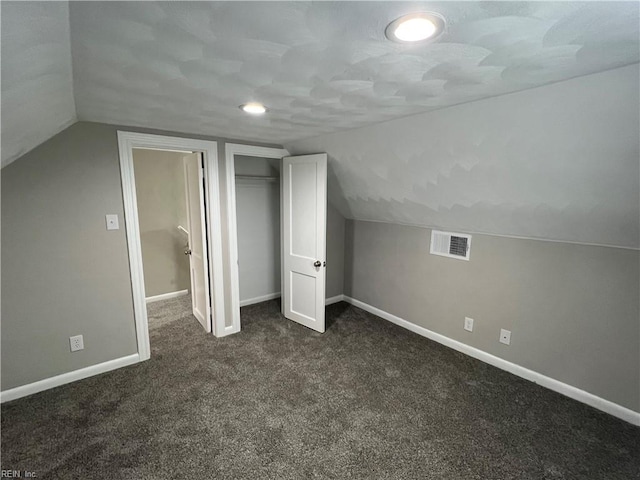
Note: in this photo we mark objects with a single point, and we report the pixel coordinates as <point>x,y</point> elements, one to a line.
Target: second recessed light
<point>253,108</point>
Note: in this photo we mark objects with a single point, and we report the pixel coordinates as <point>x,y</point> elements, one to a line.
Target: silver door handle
<point>317,264</point>
<point>187,251</point>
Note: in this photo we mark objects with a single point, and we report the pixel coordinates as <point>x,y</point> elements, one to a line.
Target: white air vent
<point>447,244</point>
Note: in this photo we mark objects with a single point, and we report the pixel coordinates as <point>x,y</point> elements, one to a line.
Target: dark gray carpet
<point>177,309</point>
<point>365,400</point>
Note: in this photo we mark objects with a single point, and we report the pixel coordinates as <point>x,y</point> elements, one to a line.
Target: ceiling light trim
<point>416,28</point>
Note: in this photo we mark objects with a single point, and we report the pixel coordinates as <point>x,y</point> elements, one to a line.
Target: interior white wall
<point>558,162</point>
<point>258,222</point>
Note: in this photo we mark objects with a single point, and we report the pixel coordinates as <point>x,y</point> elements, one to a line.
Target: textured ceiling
<point>37,86</point>
<point>320,67</point>
<point>559,162</point>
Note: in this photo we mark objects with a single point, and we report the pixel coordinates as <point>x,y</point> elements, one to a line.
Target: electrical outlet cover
<point>468,324</point>
<point>505,336</point>
<point>76,343</point>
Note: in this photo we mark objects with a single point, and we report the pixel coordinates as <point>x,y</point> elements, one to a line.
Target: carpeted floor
<point>164,312</point>
<point>365,400</point>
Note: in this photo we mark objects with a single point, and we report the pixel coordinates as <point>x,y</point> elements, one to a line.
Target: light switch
<point>112,222</point>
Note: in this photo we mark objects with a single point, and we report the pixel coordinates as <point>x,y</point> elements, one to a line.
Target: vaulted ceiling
<point>320,67</point>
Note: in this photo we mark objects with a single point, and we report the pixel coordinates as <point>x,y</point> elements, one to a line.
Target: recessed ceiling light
<point>415,27</point>
<point>254,108</point>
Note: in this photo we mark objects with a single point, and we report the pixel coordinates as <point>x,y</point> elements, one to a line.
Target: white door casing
<point>127,141</point>
<point>231,150</point>
<point>197,250</point>
<point>304,211</point>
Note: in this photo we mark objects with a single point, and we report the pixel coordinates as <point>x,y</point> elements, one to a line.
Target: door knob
<point>317,264</point>
<point>187,251</point>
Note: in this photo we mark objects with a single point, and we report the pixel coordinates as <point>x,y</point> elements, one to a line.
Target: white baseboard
<point>263,298</point>
<point>47,383</point>
<point>590,399</point>
<point>271,296</point>
<point>336,299</point>
<point>166,296</point>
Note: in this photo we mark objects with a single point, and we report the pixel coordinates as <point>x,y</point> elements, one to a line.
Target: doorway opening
<point>303,206</point>
<point>172,232</point>
<point>257,183</point>
<point>255,235</point>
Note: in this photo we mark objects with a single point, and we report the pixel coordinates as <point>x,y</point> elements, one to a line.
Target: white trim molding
<point>127,141</point>
<point>570,391</point>
<point>166,296</point>
<point>336,299</point>
<point>271,296</point>
<point>262,298</point>
<point>231,150</point>
<point>52,382</point>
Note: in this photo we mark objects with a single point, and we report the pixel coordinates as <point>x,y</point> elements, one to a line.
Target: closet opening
<point>253,181</point>
<point>257,182</point>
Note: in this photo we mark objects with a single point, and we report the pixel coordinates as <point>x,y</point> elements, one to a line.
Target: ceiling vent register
<point>452,245</point>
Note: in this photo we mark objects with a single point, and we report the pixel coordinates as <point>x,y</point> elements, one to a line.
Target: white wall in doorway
<point>231,151</point>
<point>162,207</point>
<point>258,220</point>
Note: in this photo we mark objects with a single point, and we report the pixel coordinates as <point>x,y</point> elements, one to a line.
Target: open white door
<point>197,249</point>
<point>304,226</point>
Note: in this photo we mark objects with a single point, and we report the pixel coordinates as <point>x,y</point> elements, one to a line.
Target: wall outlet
<point>505,336</point>
<point>468,324</point>
<point>76,343</point>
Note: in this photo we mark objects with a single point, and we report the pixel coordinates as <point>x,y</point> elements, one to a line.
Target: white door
<point>304,223</point>
<point>197,248</point>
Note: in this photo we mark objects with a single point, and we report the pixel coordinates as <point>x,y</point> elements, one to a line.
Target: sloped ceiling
<point>560,162</point>
<point>37,82</point>
<point>319,66</point>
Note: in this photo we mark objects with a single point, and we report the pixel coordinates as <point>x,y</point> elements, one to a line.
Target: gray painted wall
<point>54,200</point>
<point>557,162</point>
<point>573,309</point>
<point>162,206</point>
<point>335,251</point>
<point>63,273</point>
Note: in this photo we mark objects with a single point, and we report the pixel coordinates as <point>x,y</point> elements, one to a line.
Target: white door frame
<point>231,150</point>
<point>127,141</point>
